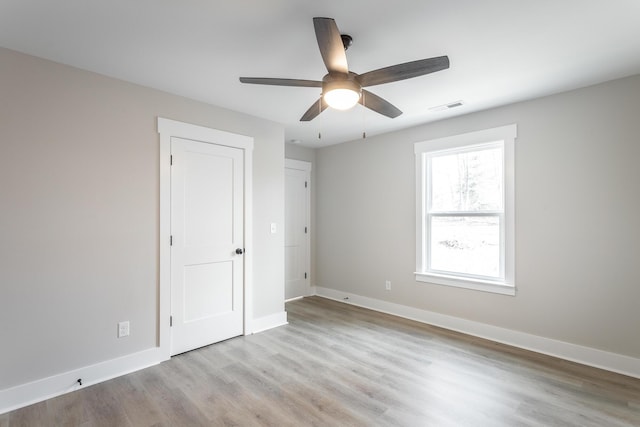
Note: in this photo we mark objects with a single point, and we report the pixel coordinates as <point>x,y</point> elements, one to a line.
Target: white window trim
<point>507,134</point>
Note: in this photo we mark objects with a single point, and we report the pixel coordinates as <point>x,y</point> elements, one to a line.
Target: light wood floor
<point>339,365</point>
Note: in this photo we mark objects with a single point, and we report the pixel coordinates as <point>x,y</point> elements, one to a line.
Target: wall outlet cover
<point>123,329</point>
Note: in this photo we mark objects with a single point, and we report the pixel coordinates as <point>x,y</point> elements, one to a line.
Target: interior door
<point>296,233</point>
<point>207,244</point>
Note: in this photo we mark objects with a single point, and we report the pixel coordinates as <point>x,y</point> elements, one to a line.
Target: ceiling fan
<point>341,88</point>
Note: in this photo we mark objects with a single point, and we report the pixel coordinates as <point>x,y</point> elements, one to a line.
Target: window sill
<point>475,284</point>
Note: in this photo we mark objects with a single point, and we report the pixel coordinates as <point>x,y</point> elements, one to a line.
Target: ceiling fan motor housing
<point>340,81</point>
<point>341,91</point>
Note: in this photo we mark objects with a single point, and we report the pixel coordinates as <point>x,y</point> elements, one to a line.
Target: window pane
<point>469,181</point>
<point>468,245</point>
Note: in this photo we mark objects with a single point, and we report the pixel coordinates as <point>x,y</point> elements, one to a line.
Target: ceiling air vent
<point>448,106</point>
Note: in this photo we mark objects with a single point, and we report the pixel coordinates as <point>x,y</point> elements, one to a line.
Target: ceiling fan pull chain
<point>319,111</point>
<point>364,104</point>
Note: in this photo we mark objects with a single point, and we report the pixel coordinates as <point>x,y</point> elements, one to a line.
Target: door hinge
<point>305,184</point>
<point>305,230</point>
<point>171,159</point>
<point>170,321</point>
<point>305,275</point>
<point>170,240</point>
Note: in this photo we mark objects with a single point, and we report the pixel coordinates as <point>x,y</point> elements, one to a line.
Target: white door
<point>206,244</point>
<point>296,232</point>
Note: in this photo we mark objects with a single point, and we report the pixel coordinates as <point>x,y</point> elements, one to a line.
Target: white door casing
<point>297,228</point>
<point>168,130</point>
<point>207,244</point>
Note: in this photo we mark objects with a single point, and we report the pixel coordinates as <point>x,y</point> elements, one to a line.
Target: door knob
<point>239,251</point>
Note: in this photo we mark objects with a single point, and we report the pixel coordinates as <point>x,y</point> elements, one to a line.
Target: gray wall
<point>577,231</point>
<point>79,185</point>
<point>297,152</point>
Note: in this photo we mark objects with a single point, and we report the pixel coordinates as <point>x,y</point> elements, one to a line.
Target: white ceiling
<point>501,51</point>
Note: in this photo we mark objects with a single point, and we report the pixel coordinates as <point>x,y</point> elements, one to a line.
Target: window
<point>465,210</point>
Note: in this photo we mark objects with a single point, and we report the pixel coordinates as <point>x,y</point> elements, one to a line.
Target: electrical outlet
<point>387,285</point>
<point>123,329</point>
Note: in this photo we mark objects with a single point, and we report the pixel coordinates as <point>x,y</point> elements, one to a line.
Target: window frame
<point>504,136</point>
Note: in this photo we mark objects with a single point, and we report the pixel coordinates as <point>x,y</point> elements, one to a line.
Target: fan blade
<point>330,44</point>
<point>280,82</point>
<point>404,71</point>
<point>379,105</point>
<point>318,107</point>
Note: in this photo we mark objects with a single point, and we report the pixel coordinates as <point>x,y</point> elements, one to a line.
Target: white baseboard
<point>585,355</point>
<point>56,385</point>
<point>36,391</point>
<point>268,322</point>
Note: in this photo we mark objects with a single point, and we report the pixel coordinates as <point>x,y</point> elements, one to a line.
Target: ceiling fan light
<point>341,98</point>
<point>340,93</point>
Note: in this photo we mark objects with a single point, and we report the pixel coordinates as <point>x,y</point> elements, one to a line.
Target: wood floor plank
<point>339,365</point>
<point>32,415</point>
<point>139,408</point>
<point>103,406</point>
<point>67,410</point>
<point>176,407</point>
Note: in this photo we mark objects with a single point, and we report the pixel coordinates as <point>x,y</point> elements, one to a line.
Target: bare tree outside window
<point>466,199</point>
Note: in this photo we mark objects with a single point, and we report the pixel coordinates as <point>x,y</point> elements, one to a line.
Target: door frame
<point>169,129</point>
<point>305,167</point>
